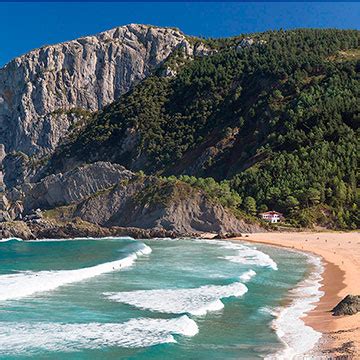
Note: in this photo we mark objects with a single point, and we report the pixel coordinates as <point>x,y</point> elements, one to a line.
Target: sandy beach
<point>341,254</point>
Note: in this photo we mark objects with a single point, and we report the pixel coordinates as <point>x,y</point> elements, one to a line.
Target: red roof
<point>271,213</point>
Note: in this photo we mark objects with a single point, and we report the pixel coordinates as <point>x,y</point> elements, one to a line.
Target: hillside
<point>275,113</point>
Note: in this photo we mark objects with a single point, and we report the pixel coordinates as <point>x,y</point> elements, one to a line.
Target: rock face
<point>17,169</point>
<point>72,229</point>
<point>73,186</point>
<point>350,305</point>
<point>190,212</point>
<point>39,90</point>
<point>109,196</point>
<point>2,156</point>
<point>4,207</point>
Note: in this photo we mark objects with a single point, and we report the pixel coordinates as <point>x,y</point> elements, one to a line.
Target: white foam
<point>247,275</point>
<point>81,239</point>
<point>26,338</point>
<point>245,254</point>
<point>250,256</point>
<point>10,239</point>
<point>195,301</point>
<point>15,286</point>
<point>297,337</point>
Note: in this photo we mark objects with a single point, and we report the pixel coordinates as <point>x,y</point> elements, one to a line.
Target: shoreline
<point>340,254</point>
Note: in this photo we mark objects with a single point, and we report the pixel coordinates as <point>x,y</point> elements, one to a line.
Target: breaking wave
<point>15,286</point>
<point>69,239</point>
<point>250,256</point>
<point>195,301</point>
<point>26,338</point>
<point>247,275</point>
<point>10,239</point>
<point>245,254</point>
<point>297,337</point>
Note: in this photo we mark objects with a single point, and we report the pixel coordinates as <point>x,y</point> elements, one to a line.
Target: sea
<point>120,298</point>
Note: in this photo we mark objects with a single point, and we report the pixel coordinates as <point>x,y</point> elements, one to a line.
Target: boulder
<point>350,305</point>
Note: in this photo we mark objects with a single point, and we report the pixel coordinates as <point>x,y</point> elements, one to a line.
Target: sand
<point>341,254</point>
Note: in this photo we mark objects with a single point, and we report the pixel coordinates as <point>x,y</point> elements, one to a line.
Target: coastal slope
<point>105,199</point>
<point>276,120</point>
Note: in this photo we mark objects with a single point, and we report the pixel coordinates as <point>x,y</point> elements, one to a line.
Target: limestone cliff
<point>40,90</point>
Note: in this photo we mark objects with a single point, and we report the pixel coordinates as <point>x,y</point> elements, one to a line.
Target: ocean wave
<point>71,239</point>
<point>195,301</point>
<point>247,275</point>
<point>27,338</point>
<point>245,254</point>
<point>15,286</point>
<point>249,256</point>
<point>82,239</point>
<point>10,239</point>
<point>297,337</point>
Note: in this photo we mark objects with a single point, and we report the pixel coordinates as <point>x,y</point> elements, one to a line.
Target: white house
<point>272,216</point>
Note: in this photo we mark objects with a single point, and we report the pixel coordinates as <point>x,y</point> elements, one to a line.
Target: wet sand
<point>341,254</point>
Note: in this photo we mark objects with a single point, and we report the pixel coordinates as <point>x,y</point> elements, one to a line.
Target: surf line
<point>16,286</point>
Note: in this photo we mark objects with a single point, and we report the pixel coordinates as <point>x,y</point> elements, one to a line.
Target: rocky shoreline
<point>105,199</point>
<point>77,228</point>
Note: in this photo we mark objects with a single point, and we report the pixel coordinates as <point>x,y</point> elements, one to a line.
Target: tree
<point>291,203</point>
<point>295,113</point>
<point>340,191</point>
<point>250,205</point>
<point>313,196</point>
<point>278,95</point>
<point>263,208</point>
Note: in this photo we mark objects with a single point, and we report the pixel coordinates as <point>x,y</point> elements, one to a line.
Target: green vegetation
<point>250,205</point>
<point>60,213</point>
<point>278,120</point>
<point>161,191</point>
<point>218,191</point>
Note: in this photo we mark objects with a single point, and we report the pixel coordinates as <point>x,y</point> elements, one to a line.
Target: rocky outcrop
<point>4,204</point>
<point>2,156</point>
<point>176,208</point>
<point>39,90</point>
<point>200,214</point>
<point>74,229</point>
<point>248,42</point>
<point>2,153</point>
<point>350,305</point>
<point>17,169</point>
<point>109,196</point>
<point>4,208</point>
<point>73,186</point>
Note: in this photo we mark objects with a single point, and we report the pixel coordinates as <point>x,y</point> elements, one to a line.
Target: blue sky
<point>25,26</point>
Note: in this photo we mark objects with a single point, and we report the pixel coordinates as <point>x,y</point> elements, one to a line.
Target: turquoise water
<point>151,299</point>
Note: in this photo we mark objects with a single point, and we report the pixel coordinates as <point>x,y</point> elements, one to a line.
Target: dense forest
<point>272,117</point>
